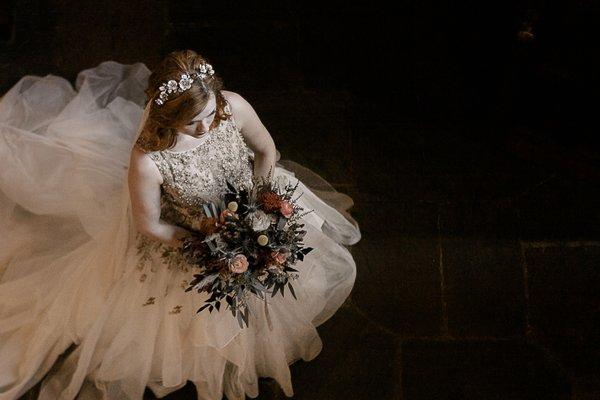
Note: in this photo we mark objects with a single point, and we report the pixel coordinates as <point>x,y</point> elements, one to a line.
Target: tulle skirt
<point>70,272</point>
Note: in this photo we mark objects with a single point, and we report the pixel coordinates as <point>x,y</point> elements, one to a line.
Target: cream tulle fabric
<point>68,277</point>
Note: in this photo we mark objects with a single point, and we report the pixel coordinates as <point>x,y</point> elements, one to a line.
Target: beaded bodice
<point>198,175</point>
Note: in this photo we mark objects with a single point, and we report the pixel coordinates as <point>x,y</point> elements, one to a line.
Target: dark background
<point>467,135</point>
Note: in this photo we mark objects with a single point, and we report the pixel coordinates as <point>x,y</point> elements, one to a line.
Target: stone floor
<point>477,271</point>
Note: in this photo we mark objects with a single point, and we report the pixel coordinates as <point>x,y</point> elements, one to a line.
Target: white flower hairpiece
<point>184,83</point>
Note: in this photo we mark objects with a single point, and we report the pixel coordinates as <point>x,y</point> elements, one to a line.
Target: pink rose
<point>279,257</point>
<point>225,213</point>
<point>239,264</point>
<point>286,208</point>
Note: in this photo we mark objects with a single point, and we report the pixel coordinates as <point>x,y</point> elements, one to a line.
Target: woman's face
<point>201,123</point>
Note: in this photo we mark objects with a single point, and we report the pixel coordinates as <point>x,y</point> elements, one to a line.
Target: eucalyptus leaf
<point>277,287</point>
<point>240,319</point>
<point>208,210</point>
<point>207,281</point>
<point>203,307</point>
<point>214,209</point>
<point>245,315</point>
<point>281,223</point>
<point>230,186</point>
<point>292,290</point>
<point>259,286</point>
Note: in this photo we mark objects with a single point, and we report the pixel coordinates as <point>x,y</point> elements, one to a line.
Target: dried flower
<point>258,220</point>
<point>226,213</point>
<point>262,240</point>
<point>279,256</point>
<point>239,264</point>
<point>271,201</point>
<point>216,239</point>
<point>232,206</point>
<point>286,209</point>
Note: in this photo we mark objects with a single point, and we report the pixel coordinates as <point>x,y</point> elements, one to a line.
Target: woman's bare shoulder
<point>142,166</point>
<point>241,109</point>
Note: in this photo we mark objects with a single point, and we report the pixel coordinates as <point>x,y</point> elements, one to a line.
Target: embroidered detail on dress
<point>140,265</point>
<point>176,309</point>
<point>149,301</point>
<point>147,247</point>
<point>192,177</point>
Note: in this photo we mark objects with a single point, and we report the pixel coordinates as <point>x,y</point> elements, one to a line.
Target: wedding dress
<point>76,275</point>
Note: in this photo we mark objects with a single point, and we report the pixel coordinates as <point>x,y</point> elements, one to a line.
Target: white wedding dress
<point>75,274</point>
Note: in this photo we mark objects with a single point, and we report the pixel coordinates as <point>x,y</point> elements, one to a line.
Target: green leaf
<point>306,250</point>
<point>258,285</point>
<point>240,319</point>
<point>292,290</point>
<point>208,210</point>
<point>245,315</point>
<point>203,308</point>
<point>230,186</point>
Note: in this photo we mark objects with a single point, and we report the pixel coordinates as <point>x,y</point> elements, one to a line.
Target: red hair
<point>160,130</point>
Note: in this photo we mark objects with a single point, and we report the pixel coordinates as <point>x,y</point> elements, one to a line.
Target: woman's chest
<point>201,174</point>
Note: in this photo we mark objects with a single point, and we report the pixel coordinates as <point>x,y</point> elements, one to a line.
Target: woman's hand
<point>180,237</point>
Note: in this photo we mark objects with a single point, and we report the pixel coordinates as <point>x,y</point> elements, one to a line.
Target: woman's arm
<point>144,181</point>
<point>254,132</point>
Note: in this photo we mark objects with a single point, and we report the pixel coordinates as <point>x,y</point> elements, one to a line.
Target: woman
<point>94,213</point>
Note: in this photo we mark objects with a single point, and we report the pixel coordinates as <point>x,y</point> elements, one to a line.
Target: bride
<point>98,187</point>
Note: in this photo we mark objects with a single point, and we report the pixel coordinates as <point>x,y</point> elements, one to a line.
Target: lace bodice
<point>198,175</point>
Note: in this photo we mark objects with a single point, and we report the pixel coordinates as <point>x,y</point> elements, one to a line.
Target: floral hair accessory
<point>173,86</point>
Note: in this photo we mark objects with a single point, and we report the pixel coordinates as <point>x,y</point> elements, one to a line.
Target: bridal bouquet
<point>247,244</point>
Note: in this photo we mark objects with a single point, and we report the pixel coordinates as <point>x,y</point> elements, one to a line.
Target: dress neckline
<point>205,136</point>
<point>202,139</point>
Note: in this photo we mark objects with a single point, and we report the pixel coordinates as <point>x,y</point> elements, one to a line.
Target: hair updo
<point>160,130</point>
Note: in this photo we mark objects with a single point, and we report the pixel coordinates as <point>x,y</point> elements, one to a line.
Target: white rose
<point>259,220</point>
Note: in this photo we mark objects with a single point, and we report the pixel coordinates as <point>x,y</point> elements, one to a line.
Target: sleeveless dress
<point>96,310</point>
